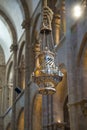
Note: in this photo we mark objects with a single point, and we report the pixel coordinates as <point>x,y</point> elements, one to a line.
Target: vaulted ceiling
<point>12,14</point>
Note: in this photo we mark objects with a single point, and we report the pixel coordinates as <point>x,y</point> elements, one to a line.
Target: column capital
<point>26,24</point>
<point>13,47</point>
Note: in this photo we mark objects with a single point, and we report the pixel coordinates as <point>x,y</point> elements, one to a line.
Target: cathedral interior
<point>43,64</point>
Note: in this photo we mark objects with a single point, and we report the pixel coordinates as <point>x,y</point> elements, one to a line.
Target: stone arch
<point>10,25</point>
<point>20,121</point>
<point>8,126</point>
<point>25,9</point>
<point>83,70</point>
<point>35,107</point>
<point>37,112</point>
<point>84,58</point>
<point>83,43</point>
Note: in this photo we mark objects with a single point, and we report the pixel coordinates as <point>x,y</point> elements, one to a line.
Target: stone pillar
<point>13,119</point>
<point>28,72</point>
<point>72,81</point>
<point>1,108</point>
<point>1,123</point>
<point>56,28</point>
<point>5,97</point>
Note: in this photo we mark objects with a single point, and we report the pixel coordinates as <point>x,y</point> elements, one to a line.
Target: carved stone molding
<point>13,47</point>
<point>47,14</point>
<point>26,24</point>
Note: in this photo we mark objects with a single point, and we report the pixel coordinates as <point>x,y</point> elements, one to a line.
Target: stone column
<point>72,81</point>
<point>28,70</point>
<point>1,93</point>
<point>56,28</point>
<point>13,119</point>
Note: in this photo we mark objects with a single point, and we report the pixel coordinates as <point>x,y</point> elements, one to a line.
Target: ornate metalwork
<point>47,19</point>
<point>47,75</point>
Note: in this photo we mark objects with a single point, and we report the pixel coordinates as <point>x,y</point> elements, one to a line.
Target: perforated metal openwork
<point>47,75</point>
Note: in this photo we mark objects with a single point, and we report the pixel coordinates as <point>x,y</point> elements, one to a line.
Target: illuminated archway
<point>21,120</point>
<point>84,70</point>
<point>37,113</point>
<point>8,127</point>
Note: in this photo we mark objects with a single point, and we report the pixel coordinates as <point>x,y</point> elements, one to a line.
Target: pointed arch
<point>81,49</point>
<point>10,25</point>
<point>37,112</point>
<point>20,121</point>
<point>25,9</point>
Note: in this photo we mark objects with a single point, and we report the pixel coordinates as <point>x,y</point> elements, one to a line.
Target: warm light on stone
<point>59,121</point>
